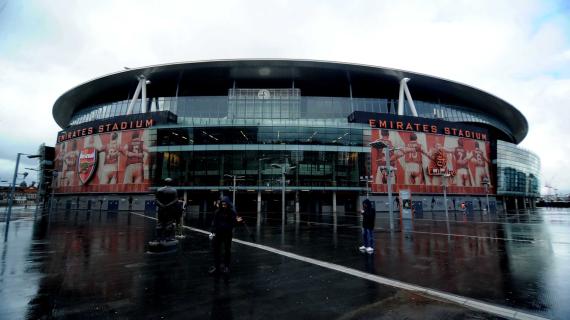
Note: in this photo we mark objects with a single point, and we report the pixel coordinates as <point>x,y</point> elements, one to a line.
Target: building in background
<point>210,125</point>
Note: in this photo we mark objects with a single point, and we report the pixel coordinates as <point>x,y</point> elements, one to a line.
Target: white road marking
<point>434,294</point>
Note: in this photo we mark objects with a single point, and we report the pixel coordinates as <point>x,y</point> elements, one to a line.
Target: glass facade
<point>281,104</point>
<point>220,135</point>
<point>331,170</point>
<point>518,171</point>
<point>325,157</point>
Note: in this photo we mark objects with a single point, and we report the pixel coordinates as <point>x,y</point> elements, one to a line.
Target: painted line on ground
<point>456,235</point>
<point>434,294</point>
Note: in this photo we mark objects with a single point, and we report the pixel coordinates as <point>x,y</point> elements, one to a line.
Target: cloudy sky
<point>518,50</point>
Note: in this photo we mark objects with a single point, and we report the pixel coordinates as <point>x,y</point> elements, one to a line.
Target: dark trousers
<point>222,239</point>
<point>368,237</point>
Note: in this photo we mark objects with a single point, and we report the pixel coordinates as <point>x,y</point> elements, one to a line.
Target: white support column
<point>401,98</point>
<point>351,103</point>
<point>135,97</point>
<point>404,89</point>
<point>142,80</point>
<point>410,101</point>
<point>334,207</point>
<point>297,215</point>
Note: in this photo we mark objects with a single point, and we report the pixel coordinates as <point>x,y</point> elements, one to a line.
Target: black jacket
<point>225,219</point>
<point>368,215</point>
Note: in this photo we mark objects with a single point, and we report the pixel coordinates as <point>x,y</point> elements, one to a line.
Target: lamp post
<point>284,168</point>
<point>367,179</point>
<point>52,186</point>
<point>381,145</point>
<point>445,176</point>
<point>234,177</point>
<point>486,184</point>
<point>12,191</point>
<point>259,187</point>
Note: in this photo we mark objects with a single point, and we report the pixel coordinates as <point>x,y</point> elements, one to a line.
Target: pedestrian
<point>368,218</point>
<point>224,220</point>
<point>463,208</point>
<point>130,203</point>
<point>180,214</point>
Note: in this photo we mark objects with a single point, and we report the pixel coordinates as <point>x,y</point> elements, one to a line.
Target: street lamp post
<point>381,145</point>
<point>259,187</point>
<point>367,179</point>
<point>12,191</point>
<point>52,185</point>
<point>445,176</point>
<point>234,177</point>
<point>486,184</point>
<point>284,168</point>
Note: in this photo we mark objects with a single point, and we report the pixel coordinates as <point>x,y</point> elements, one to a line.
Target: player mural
<point>109,162</point>
<point>421,160</point>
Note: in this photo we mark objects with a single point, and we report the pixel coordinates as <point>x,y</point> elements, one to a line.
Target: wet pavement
<point>94,265</point>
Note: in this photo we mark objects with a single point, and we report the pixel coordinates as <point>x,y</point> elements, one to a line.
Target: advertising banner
<point>107,155</point>
<point>424,162</point>
<point>110,162</point>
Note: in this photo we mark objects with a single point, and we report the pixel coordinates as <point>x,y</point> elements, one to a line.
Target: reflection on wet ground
<point>78,263</point>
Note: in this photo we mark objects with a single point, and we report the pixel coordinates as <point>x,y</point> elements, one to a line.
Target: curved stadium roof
<point>314,78</point>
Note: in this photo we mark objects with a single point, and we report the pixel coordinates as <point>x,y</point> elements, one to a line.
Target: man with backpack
<point>368,218</point>
<point>223,223</point>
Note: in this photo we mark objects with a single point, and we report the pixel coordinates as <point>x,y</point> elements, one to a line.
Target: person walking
<point>368,218</point>
<point>223,223</point>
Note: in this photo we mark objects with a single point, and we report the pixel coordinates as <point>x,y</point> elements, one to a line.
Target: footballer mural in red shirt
<point>423,162</point>
<point>109,162</point>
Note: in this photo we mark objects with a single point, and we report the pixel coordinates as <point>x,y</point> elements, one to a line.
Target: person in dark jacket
<point>368,218</point>
<point>223,223</point>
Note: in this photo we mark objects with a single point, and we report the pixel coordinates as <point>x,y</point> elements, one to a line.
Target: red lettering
<point>115,127</point>
<point>446,130</point>
<point>417,125</point>
<point>478,135</point>
<point>460,133</point>
<point>409,127</point>
<point>107,127</point>
<point>83,131</point>
<point>149,123</point>
<point>139,123</point>
<point>433,129</point>
<point>454,131</point>
<point>483,136</point>
<point>382,124</point>
<point>90,130</point>
<point>468,133</point>
<point>372,123</point>
<point>399,125</point>
<point>425,128</point>
<point>124,125</point>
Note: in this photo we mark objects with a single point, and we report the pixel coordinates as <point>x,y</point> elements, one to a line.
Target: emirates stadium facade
<point>239,126</point>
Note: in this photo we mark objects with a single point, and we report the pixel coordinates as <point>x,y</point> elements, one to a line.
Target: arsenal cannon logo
<point>438,167</point>
<point>87,164</point>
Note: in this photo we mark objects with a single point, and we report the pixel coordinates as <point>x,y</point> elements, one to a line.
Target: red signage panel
<point>424,162</point>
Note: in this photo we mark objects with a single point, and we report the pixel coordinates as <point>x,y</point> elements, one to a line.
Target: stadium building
<point>318,130</point>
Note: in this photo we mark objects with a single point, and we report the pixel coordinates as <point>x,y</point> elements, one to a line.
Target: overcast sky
<point>517,50</point>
